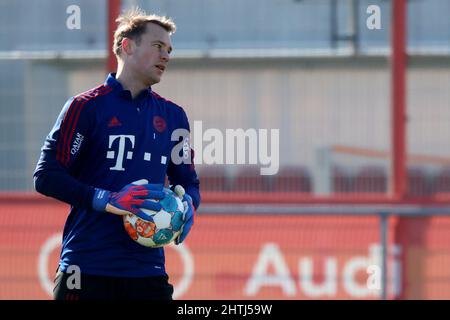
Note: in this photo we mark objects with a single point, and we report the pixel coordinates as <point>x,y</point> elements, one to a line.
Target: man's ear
<point>127,46</point>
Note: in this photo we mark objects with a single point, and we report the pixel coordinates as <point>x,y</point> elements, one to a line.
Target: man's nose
<point>165,56</point>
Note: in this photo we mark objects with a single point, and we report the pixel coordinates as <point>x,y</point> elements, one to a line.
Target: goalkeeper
<point>103,140</point>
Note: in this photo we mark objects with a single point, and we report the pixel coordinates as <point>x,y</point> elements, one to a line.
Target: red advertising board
<point>241,256</point>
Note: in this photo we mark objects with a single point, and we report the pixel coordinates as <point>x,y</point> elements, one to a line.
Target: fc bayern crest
<point>159,123</point>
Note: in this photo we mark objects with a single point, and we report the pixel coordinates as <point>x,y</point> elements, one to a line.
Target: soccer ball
<point>162,227</point>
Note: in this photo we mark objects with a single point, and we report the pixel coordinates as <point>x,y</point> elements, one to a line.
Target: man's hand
<point>188,214</point>
<point>130,199</point>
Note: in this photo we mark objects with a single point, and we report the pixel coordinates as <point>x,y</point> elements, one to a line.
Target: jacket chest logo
<point>159,124</point>
<point>121,148</point>
<point>114,122</point>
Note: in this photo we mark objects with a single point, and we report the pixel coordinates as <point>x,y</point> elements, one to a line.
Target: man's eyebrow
<point>164,44</point>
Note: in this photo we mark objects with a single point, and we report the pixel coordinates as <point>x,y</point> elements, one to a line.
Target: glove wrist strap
<point>101,199</point>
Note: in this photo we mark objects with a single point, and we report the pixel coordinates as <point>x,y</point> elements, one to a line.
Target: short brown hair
<point>133,23</point>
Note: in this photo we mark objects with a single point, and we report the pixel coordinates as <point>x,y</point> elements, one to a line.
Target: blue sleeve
<point>54,174</point>
<point>184,173</point>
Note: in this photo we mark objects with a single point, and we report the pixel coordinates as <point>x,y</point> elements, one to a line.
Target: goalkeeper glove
<point>188,214</point>
<point>130,199</point>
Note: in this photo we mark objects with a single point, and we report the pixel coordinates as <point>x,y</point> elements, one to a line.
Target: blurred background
<point>364,122</point>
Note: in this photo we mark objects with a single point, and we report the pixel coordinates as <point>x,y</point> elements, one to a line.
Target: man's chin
<point>154,80</point>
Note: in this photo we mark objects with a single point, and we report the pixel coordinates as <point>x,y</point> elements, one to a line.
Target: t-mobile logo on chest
<point>124,151</point>
<point>120,155</point>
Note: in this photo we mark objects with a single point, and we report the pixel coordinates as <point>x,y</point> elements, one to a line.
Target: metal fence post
<point>384,216</point>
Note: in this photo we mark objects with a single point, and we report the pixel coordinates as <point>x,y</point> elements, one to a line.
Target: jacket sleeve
<point>184,173</point>
<point>60,153</point>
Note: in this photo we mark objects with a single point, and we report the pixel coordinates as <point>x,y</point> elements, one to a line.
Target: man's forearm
<point>62,186</point>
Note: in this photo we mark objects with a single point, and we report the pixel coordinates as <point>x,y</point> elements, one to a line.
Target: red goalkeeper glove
<point>130,199</point>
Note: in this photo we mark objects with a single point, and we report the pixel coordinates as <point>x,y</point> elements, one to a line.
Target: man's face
<point>150,57</point>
